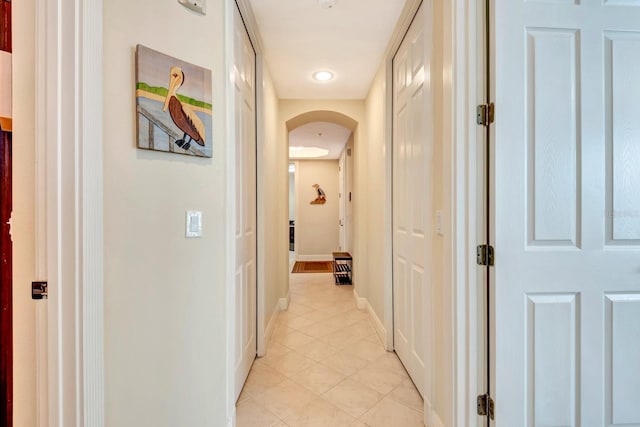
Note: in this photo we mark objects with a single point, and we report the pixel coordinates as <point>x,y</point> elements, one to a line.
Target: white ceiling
<point>301,37</point>
<point>329,136</point>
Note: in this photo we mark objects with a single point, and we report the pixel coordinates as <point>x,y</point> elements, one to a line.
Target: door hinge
<point>485,114</point>
<point>485,405</point>
<point>39,290</point>
<point>484,255</point>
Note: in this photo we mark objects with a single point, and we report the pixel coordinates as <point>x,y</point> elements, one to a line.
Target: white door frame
<point>460,97</point>
<point>252,29</point>
<point>250,24</point>
<point>69,222</point>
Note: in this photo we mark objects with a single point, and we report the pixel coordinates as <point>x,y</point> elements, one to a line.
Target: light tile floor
<point>325,366</point>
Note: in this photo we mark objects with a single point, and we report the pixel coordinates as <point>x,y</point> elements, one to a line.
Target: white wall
<point>23,218</point>
<point>165,314</point>
<point>317,228</point>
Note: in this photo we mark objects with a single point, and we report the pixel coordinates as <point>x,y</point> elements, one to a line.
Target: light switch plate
<point>194,224</point>
<point>439,231</point>
<point>199,6</point>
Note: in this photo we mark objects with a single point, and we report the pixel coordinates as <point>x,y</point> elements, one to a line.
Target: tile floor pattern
<point>326,367</point>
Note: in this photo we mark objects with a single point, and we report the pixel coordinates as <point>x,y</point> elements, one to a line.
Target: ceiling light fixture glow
<point>307,152</point>
<point>323,76</point>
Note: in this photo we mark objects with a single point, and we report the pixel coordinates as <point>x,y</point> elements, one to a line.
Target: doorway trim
<point>69,212</point>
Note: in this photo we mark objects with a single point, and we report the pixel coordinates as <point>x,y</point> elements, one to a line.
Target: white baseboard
<point>283,303</point>
<point>320,257</point>
<point>363,304</point>
<point>271,325</point>
<point>433,419</point>
<point>360,302</point>
<point>231,421</point>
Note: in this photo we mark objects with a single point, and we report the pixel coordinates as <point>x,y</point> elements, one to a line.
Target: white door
<point>412,147</point>
<point>245,221</point>
<point>567,213</point>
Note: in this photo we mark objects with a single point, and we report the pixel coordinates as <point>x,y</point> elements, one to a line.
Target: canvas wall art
<point>173,104</point>
<point>321,197</point>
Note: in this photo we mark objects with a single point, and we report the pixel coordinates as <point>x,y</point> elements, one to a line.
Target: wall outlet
<point>194,224</point>
<point>199,6</point>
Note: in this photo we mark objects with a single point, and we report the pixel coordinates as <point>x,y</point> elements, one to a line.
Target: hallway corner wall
<point>375,204</point>
<point>275,175</point>
<point>165,295</point>
<point>23,217</point>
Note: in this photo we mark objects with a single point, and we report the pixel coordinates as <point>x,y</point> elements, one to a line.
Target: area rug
<point>312,267</point>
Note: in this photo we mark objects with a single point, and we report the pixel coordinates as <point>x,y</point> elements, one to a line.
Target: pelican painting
<point>182,115</point>
<point>175,114</point>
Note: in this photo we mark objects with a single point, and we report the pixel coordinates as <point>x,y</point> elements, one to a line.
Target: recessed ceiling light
<point>323,76</point>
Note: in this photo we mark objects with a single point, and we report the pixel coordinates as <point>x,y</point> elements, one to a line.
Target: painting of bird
<point>321,197</point>
<point>182,114</point>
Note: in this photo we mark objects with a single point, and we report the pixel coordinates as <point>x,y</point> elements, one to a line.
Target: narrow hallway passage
<point>325,366</point>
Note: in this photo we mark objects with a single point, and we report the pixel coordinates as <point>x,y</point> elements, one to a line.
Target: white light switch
<point>194,224</point>
<point>439,231</point>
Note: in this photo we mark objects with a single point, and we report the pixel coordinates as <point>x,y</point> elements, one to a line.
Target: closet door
<point>412,148</point>
<point>245,209</point>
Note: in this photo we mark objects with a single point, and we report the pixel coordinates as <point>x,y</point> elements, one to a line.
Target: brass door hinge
<point>485,405</point>
<point>484,255</point>
<point>485,114</point>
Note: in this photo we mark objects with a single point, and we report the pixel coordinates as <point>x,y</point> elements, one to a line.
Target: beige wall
<point>375,177</point>
<point>165,311</point>
<point>317,229</point>
<point>23,218</point>
<point>275,175</point>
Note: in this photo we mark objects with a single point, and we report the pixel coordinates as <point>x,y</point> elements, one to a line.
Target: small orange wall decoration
<point>321,197</point>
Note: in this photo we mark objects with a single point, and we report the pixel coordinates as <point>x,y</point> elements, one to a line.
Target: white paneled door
<point>245,209</point>
<point>567,213</point>
<point>412,147</point>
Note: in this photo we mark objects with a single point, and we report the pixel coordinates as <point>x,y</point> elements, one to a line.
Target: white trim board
<point>322,257</point>
<point>283,303</point>
<point>363,304</point>
<point>271,327</point>
<point>465,16</point>
<point>69,173</point>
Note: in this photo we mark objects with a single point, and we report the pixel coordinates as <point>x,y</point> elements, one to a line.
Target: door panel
<point>412,146</point>
<point>245,229</point>
<point>567,213</point>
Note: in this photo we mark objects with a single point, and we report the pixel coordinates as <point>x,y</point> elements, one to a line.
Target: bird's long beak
<point>173,86</point>
<point>166,101</point>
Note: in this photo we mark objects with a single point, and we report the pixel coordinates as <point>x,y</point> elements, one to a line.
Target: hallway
<point>325,366</point>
